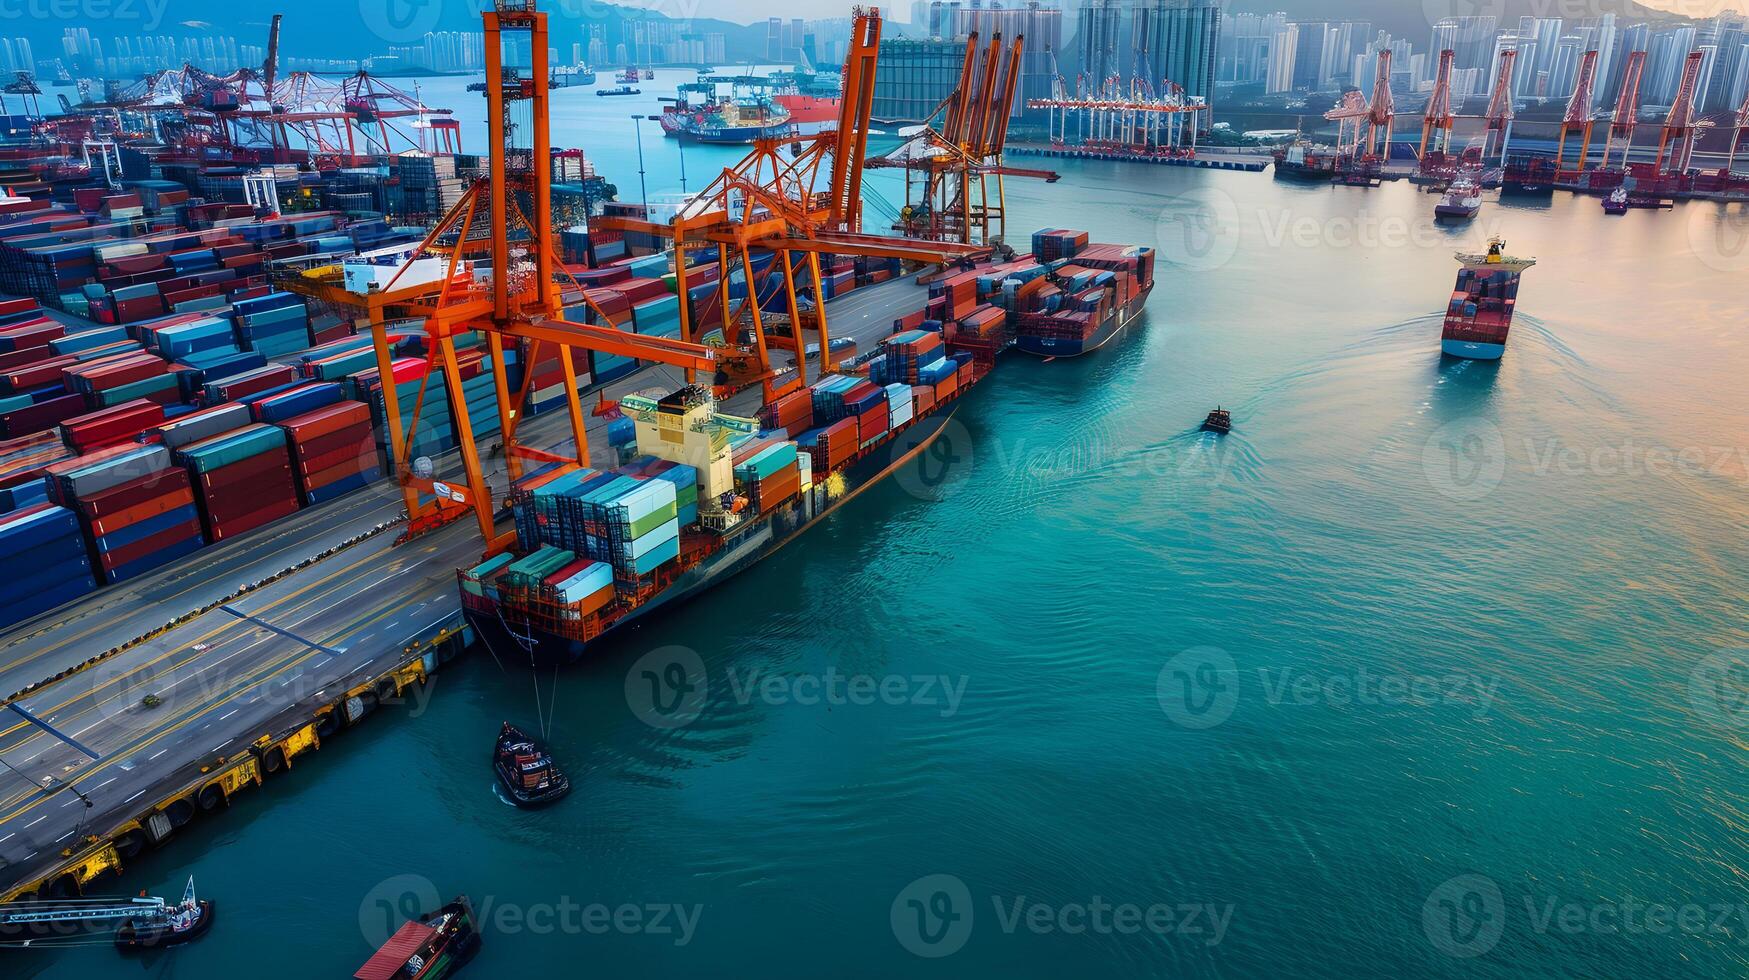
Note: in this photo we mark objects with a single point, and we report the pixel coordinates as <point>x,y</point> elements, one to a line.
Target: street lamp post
<point>642,187</point>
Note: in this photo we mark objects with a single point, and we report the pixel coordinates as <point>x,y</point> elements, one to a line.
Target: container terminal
<point>282,458</point>
<point>1587,153</point>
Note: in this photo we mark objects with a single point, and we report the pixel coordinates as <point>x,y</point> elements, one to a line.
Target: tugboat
<point>1616,202</point>
<point>186,922</point>
<point>435,947</point>
<point>1220,421</point>
<point>525,769</point>
<point>1462,201</point>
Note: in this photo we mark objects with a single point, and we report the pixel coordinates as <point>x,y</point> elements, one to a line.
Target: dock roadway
<point>232,671</point>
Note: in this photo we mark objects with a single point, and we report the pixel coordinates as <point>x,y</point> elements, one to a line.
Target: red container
<point>243,524</point>
<point>36,375</point>
<point>24,358</point>
<point>322,478</point>
<point>43,415</point>
<point>130,516</point>
<point>111,426</point>
<point>873,422</point>
<point>326,420</point>
<point>225,477</point>
<point>137,491</point>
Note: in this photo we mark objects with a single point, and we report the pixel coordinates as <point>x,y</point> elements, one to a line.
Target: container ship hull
<point>740,550</point>
<point>1479,316</point>
<point>1107,331</point>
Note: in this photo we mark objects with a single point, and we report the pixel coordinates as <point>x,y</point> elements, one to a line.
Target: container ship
<point>708,492</point>
<point>1081,296</point>
<point>1529,176</point>
<point>1305,161</point>
<point>699,114</point>
<point>1479,316</point>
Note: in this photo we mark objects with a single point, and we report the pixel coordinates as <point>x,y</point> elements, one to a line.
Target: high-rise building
<point>1283,45</point>
<point>1041,24</point>
<point>1310,50</point>
<point>913,76</point>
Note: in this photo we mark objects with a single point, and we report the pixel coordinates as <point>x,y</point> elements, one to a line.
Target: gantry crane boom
<point>1439,115</point>
<point>1579,112</point>
<point>1678,133</point>
<point>1501,106</point>
<point>1627,108</point>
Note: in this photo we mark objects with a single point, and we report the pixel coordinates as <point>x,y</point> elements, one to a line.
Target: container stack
<point>1055,243</point>
<point>332,451</point>
<point>136,508</point>
<point>275,325</point>
<point>243,479</point>
<point>585,586</point>
<point>433,435</point>
<point>793,413</point>
<point>45,539</point>
<point>277,406</point>
<point>641,527</point>
<point>111,426</point>
<point>768,469</point>
<point>123,377</point>
<point>24,462</point>
<point>901,408</point>
<point>908,351</point>
<point>685,480</point>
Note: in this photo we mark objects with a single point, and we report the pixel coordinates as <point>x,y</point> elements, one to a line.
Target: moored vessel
<point>699,113</point>
<point>621,89</point>
<point>1462,200</point>
<point>1529,176</point>
<point>1616,202</point>
<point>187,921</point>
<point>1479,315</point>
<point>1305,161</point>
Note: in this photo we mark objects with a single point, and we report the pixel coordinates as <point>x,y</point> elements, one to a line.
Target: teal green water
<point>1422,671</point>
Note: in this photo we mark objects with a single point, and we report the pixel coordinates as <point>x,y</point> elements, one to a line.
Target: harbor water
<point>1425,670</point>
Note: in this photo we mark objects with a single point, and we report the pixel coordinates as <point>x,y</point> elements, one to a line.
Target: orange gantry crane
<point>1680,127</point>
<point>1741,123</point>
<point>1579,115</point>
<point>489,265</point>
<point>950,170</point>
<point>1502,109</point>
<point>1439,117</point>
<point>793,198</point>
<point>1627,108</point>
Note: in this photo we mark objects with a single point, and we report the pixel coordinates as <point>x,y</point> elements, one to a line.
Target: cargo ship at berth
<point>516,605</point>
<point>1305,161</point>
<point>701,115</point>
<point>1479,316</point>
<point>707,493</point>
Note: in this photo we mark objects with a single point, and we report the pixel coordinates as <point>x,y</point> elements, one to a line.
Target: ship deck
<point>229,669</point>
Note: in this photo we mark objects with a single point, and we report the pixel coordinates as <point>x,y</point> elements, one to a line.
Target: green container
<point>655,519</point>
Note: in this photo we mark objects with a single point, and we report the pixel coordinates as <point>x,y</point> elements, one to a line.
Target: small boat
<point>434,947</point>
<point>1616,202</point>
<point>1220,420</point>
<point>619,90</point>
<point>184,923</point>
<point>627,76</point>
<point>528,773</point>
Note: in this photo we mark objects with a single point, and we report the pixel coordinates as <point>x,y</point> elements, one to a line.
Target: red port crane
<point>1627,108</point>
<point>1439,116</point>
<point>1742,123</point>
<point>1501,110</point>
<point>1680,128</point>
<point>1579,113</point>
